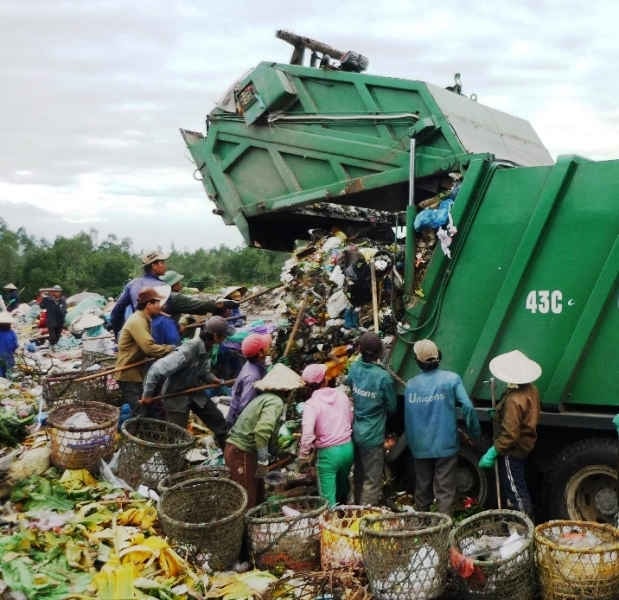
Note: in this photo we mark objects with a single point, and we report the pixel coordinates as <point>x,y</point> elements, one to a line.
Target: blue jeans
<point>514,485</point>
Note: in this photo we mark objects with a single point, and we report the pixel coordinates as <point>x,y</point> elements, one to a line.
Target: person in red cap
<point>255,348</point>
<point>327,426</point>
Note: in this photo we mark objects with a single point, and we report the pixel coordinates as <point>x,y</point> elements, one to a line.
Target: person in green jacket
<point>179,303</point>
<point>374,399</point>
<point>255,431</point>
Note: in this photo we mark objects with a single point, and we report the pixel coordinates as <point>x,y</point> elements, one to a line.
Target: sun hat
<point>172,277</point>
<point>370,343</point>
<point>6,318</point>
<point>87,321</point>
<point>227,292</point>
<point>218,326</point>
<point>10,286</point>
<point>314,373</point>
<point>280,377</point>
<point>148,294</point>
<point>254,343</point>
<point>515,367</point>
<point>153,256</point>
<point>425,350</point>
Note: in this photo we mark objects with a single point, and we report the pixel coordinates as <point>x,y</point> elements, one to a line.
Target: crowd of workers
<point>342,431</point>
<point>343,426</point>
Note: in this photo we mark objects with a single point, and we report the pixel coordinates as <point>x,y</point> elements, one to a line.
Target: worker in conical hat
<point>516,419</point>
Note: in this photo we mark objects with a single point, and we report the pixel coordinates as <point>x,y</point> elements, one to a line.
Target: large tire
<point>582,481</point>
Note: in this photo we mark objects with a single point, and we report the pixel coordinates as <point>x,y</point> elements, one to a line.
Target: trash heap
<point>334,288</point>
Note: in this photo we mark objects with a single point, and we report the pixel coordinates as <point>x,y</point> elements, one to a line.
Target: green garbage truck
<point>533,265</point>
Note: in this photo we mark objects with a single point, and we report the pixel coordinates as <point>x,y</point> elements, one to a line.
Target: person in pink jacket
<point>327,426</point>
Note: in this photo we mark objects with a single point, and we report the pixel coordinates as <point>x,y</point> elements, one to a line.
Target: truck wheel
<point>583,481</point>
<point>471,480</point>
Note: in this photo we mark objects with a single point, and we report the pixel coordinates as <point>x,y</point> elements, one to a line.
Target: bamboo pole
<point>374,296</point>
<point>191,390</point>
<point>113,370</point>
<point>295,327</point>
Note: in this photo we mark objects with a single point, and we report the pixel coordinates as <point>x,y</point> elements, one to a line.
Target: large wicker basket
<point>205,517</point>
<point>81,447</point>
<point>63,388</point>
<point>509,578</point>
<point>569,572</point>
<point>340,543</point>
<point>405,555</point>
<point>280,539</point>
<point>151,450</point>
<point>192,473</point>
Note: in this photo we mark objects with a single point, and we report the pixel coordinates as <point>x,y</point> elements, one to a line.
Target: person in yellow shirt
<point>135,343</point>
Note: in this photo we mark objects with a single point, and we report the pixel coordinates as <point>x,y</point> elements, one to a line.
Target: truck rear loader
<point>533,264</point>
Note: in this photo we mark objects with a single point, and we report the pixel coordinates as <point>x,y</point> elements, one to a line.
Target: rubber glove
<point>616,422</point>
<point>487,460</point>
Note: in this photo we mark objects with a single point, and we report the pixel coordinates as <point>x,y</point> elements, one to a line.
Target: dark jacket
<point>516,419</point>
<point>56,311</point>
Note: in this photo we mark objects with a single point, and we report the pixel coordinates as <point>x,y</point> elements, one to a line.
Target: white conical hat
<point>280,377</point>
<point>88,320</point>
<point>515,367</point>
<point>6,318</point>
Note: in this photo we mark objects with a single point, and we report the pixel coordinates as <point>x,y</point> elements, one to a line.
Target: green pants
<point>333,466</point>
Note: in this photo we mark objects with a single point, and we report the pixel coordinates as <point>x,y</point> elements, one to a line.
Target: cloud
<point>94,92</point>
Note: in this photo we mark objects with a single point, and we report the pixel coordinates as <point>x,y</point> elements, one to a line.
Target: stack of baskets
<point>509,578</point>
<point>405,555</point>
<point>151,450</point>
<point>205,518</point>
<point>81,446</point>
<point>578,559</point>
<point>285,534</point>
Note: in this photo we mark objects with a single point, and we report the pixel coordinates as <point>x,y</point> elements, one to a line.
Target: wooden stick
<point>496,464</point>
<point>374,296</point>
<point>275,287</point>
<point>396,376</point>
<point>191,390</point>
<point>110,371</point>
<point>295,327</point>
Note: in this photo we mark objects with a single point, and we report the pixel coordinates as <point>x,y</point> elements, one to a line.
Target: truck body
<point>533,265</point>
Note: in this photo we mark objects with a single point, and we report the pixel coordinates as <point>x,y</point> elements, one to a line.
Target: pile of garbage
<point>334,288</point>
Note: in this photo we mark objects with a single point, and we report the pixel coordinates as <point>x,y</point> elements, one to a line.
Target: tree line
<point>82,262</point>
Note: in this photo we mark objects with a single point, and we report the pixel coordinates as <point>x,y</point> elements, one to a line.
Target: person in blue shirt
<point>430,401</point>
<point>374,398</point>
<point>8,344</point>
<point>154,266</point>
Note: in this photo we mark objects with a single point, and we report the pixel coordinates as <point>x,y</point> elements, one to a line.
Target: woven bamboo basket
<point>340,543</point>
<point>332,585</point>
<point>571,573</point>
<point>205,518</point>
<point>63,389</point>
<point>151,450</point>
<point>193,473</point>
<point>81,447</point>
<point>279,540</point>
<point>91,357</point>
<point>510,578</point>
<point>405,555</point>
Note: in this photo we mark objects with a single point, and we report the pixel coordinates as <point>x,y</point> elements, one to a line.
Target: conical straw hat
<point>515,367</point>
<point>280,377</point>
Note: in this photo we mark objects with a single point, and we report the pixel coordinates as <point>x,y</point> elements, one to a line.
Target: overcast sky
<point>94,92</point>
